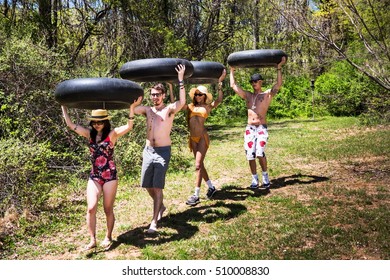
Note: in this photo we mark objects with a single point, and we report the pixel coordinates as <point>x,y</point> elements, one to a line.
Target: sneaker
<point>266,186</point>
<point>211,192</point>
<point>193,200</point>
<point>254,186</point>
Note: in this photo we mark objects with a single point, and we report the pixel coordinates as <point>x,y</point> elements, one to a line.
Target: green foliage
<point>293,100</point>
<point>232,107</point>
<point>345,92</point>
<point>28,73</point>
<point>27,174</point>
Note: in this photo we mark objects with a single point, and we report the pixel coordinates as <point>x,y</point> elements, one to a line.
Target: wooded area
<point>337,54</point>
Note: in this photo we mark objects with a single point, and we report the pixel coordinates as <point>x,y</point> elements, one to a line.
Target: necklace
<point>254,101</point>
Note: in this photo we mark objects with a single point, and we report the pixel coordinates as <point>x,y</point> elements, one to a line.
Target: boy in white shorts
<point>256,134</point>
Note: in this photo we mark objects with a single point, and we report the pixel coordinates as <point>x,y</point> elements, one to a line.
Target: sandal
<point>88,247</point>
<point>106,244</point>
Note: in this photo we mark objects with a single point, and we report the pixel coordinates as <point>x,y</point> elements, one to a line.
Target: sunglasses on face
<point>155,94</point>
<point>199,94</point>
<point>97,123</point>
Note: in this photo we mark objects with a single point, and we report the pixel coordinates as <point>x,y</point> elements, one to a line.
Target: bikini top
<point>202,112</point>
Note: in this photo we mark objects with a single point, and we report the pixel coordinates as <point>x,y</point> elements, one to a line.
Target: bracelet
<point>181,82</point>
<point>131,118</point>
<point>75,127</point>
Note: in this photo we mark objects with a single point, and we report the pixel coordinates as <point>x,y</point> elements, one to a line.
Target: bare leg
<point>109,193</point>
<point>157,196</point>
<point>94,190</point>
<point>200,150</point>
<point>263,163</point>
<point>252,166</point>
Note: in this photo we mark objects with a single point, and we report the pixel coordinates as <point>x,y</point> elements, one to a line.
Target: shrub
<point>27,174</point>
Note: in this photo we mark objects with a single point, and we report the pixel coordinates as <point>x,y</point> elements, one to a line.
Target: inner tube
<point>155,69</point>
<point>256,58</point>
<point>205,72</point>
<point>97,93</point>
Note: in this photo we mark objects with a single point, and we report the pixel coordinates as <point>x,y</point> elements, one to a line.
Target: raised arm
<point>122,130</point>
<point>80,130</point>
<point>218,101</point>
<point>140,110</point>
<point>171,97</point>
<point>175,107</point>
<point>234,86</point>
<point>279,79</point>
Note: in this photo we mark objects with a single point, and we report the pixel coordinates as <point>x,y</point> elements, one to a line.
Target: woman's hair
<point>106,130</point>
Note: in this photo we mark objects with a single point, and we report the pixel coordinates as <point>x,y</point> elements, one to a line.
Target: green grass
<point>329,200</point>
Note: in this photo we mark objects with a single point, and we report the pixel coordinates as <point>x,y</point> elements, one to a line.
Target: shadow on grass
<point>179,226</point>
<point>296,179</point>
<point>237,193</point>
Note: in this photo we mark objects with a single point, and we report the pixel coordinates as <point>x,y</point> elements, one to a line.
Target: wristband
<point>131,118</point>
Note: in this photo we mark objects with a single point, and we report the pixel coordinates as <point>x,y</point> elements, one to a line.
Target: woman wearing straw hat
<point>103,177</point>
<point>198,110</point>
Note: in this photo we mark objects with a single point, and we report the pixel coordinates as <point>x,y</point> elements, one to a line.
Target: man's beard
<point>157,103</point>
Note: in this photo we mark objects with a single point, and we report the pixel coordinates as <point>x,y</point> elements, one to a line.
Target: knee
<point>91,210</point>
<point>108,210</point>
<point>197,166</point>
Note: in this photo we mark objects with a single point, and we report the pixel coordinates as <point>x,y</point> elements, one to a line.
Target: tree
<point>357,30</point>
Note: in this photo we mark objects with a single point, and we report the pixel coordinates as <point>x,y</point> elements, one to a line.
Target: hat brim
<point>99,118</point>
<point>209,96</point>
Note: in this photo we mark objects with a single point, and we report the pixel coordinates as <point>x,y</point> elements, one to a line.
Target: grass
<point>329,200</point>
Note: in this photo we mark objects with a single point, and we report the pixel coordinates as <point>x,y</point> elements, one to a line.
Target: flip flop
<point>88,247</point>
<point>106,244</point>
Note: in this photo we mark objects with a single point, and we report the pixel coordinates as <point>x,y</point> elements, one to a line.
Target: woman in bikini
<point>197,113</point>
<point>103,177</point>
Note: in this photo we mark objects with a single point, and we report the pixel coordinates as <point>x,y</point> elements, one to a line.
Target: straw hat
<point>201,89</point>
<point>99,115</point>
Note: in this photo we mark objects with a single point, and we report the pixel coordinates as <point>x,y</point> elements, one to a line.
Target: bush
<point>27,174</point>
<point>343,91</point>
<point>293,100</point>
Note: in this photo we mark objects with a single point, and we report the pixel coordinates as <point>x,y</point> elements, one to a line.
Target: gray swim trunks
<point>155,161</point>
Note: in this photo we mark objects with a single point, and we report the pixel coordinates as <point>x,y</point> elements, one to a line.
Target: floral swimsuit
<point>103,166</point>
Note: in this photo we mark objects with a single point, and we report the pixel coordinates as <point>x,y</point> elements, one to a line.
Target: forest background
<point>338,65</point>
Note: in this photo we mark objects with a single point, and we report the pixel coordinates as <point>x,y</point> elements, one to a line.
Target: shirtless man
<point>157,151</point>
<point>256,134</point>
